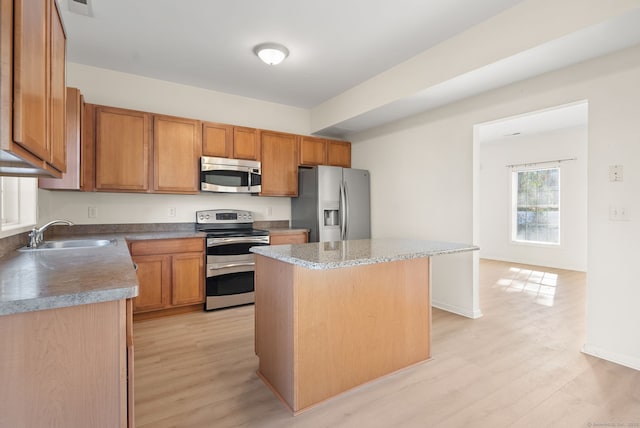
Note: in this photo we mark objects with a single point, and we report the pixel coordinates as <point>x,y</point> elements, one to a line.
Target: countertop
<point>339,254</point>
<point>47,279</point>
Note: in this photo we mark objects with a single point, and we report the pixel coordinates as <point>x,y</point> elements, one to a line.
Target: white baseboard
<point>623,360</point>
<point>473,314</point>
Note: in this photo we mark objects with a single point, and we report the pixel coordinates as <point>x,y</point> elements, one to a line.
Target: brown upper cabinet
<point>339,153</point>
<point>217,140</point>
<point>177,146</point>
<point>140,152</point>
<point>228,141</point>
<point>313,151</point>
<point>32,88</point>
<point>319,151</point>
<point>72,179</point>
<point>246,143</point>
<point>279,164</point>
<point>122,139</point>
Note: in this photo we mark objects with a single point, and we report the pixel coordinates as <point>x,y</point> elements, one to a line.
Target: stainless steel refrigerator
<point>333,203</point>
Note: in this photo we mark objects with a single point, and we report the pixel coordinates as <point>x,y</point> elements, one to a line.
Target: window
<point>536,206</point>
<point>18,200</point>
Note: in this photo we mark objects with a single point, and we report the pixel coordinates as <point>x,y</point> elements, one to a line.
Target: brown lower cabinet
<point>288,237</point>
<point>68,367</point>
<point>170,273</point>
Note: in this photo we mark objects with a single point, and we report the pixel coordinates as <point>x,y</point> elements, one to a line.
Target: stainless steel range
<point>230,264</point>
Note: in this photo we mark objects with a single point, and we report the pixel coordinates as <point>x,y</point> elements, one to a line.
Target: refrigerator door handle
<point>343,211</point>
<point>345,215</point>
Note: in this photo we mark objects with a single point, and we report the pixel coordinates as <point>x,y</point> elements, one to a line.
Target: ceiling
<point>334,44</point>
<point>552,119</point>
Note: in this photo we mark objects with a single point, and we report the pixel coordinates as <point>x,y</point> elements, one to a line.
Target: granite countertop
<point>339,254</point>
<point>47,279</point>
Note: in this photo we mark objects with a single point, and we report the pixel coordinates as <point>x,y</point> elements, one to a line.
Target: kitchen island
<point>332,316</point>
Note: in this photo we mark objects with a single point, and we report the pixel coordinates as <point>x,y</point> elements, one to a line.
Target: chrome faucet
<point>36,235</point>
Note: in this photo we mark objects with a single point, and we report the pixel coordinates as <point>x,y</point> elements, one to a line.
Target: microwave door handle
<point>249,179</point>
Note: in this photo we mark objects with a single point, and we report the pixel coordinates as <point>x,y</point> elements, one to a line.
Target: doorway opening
<point>530,195</point>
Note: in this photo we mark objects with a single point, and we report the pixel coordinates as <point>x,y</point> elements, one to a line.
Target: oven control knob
<point>207,216</point>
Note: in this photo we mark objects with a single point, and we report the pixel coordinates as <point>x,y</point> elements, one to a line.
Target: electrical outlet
<point>172,212</point>
<point>92,212</point>
<point>615,173</point>
<point>269,211</point>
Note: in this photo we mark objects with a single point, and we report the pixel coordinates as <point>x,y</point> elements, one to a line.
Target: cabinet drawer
<point>166,246</point>
<point>288,238</point>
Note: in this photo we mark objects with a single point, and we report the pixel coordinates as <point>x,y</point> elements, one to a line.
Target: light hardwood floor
<point>519,365</point>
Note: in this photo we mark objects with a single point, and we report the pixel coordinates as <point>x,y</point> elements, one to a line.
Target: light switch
<point>618,213</point>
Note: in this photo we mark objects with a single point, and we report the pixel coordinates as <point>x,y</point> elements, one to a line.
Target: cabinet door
<point>58,91</point>
<point>31,76</point>
<point>122,149</point>
<point>217,140</point>
<point>154,277</point>
<point>71,179</point>
<point>176,154</point>
<point>246,143</point>
<point>339,153</point>
<point>312,151</point>
<point>279,164</point>
<point>188,279</point>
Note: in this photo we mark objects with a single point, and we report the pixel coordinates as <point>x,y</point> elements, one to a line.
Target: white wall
<point>106,87</point>
<point>422,185</point>
<point>495,201</point>
<point>116,208</point>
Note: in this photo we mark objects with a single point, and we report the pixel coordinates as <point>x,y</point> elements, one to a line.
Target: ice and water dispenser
<point>331,218</point>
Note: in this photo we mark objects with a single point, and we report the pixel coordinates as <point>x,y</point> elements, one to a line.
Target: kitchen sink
<point>70,244</point>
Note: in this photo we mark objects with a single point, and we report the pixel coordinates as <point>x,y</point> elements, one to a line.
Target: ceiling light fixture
<point>271,53</point>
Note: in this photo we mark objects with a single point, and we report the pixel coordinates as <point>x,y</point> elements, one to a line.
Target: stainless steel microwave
<point>229,175</point>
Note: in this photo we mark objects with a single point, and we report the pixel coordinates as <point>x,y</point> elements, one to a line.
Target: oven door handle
<point>214,242</point>
<point>230,268</point>
<point>229,265</point>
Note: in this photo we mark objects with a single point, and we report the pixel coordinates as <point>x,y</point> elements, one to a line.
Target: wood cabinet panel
<point>279,164</point>
<point>122,149</point>
<point>339,153</point>
<point>176,154</point>
<point>217,140</point>
<point>313,151</point>
<point>288,238</point>
<point>72,178</point>
<point>246,143</point>
<point>70,361</point>
<point>58,147</point>
<point>170,273</point>
<point>154,274</point>
<point>31,76</point>
<point>32,88</point>
<point>188,279</point>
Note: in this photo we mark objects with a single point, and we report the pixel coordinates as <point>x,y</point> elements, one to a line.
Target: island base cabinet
<point>320,333</point>
<point>66,367</point>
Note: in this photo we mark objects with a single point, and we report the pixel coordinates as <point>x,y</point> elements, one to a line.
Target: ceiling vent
<point>81,7</point>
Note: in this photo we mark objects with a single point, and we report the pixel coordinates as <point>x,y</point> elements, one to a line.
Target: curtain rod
<point>541,162</point>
